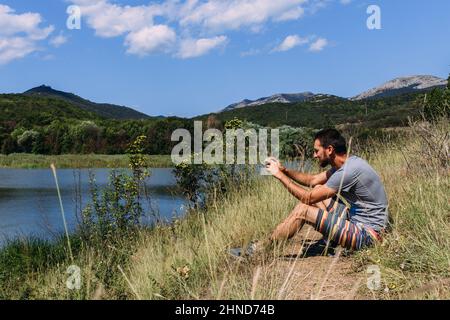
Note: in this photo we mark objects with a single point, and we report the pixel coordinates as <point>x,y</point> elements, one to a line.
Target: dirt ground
<point>309,274</point>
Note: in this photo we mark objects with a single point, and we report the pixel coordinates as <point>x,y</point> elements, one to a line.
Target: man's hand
<point>274,166</point>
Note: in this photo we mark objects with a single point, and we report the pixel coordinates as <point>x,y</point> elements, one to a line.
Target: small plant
<point>433,132</point>
<point>191,180</point>
<point>432,144</point>
<point>117,207</point>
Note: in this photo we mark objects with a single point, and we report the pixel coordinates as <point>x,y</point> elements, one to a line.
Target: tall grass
<point>415,257</point>
<point>200,244</point>
<point>33,161</point>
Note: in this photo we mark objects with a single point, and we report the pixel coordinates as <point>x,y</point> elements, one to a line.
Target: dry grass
<point>32,161</point>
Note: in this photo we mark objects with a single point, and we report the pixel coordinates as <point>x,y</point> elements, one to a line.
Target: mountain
<point>278,98</point>
<point>388,105</point>
<point>329,112</point>
<point>391,88</point>
<point>403,85</point>
<point>105,110</point>
<point>29,111</point>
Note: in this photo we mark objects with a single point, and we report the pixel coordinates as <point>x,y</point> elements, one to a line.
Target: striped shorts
<point>336,227</point>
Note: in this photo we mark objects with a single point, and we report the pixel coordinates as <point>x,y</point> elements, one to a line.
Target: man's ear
<point>330,150</point>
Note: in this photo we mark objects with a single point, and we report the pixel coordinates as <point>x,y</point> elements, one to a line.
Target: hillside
<point>42,124</point>
<point>36,110</point>
<point>105,110</point>
<point>385,112</point>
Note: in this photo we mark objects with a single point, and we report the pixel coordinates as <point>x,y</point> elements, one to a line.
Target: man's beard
<point>324,163</point>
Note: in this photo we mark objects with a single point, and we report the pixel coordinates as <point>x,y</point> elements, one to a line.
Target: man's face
<point>322,154</point>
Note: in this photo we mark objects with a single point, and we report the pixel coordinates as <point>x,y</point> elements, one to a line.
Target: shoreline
<point>77,161</point>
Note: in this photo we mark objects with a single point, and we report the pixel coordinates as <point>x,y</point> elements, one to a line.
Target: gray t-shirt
<point>361,186</point>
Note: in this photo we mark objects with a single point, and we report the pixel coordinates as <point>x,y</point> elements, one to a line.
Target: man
<point>351,178</point>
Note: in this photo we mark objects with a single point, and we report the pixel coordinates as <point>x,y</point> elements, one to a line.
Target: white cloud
<point>20,34</point>
<point>58,41</point>
<point>15,48</point>
<point>345,2</point>
<point>217,15</point>
<point>191,48</point>
<point>150,39</point>
<point>293,14</point>
<point>318,45</point>
<point>111,20</point>
<point>291,42</point>
<point>204,20</point>
<point>316,5</point>
<point>191,28</point>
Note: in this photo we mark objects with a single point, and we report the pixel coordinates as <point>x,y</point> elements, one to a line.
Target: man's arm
<point>305,179</point>
<point>306,196</point>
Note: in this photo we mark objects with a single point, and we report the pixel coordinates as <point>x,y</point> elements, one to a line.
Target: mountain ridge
<point>394,87</point>
<point>105,110</point>
<point>279,98</point>
<point>402,85</point>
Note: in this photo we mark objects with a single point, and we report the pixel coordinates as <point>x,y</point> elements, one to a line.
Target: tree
<point>86,136</point>
<point>27,140</point>
<point>213,123</point>
<point>9,145</point>
<point>437,104</point>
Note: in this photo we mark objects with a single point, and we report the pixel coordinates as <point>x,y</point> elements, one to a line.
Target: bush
<point>119,206</point>
<point>202,182</point>
<point>432,145</point>
<point>437,105</point>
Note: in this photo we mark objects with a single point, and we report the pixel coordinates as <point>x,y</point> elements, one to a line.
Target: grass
<point>415,258</point>
<point>188,259</point>
<point>34,161</point>
<point>201,242</point>
<point>416,254</point>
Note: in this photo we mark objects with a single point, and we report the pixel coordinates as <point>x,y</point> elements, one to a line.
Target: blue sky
<point>191,57</point>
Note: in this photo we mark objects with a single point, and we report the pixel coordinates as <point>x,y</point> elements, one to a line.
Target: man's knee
<point>306,213</point>
<point>300,211</point>
<point>291,224</point>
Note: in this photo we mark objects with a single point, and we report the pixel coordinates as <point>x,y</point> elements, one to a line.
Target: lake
<point>29,204</point>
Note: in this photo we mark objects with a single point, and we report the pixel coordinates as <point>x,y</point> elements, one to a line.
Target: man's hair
<point>332,137</point>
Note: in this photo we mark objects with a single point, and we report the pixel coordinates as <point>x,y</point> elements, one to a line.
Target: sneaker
<point>249,251</point>
<point>327,247</point>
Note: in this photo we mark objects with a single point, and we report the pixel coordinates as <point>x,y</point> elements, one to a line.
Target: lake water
<point>29,204</point>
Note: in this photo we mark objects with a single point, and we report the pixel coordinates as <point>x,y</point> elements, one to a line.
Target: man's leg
<point>301,214</point>
<point>297,218</point>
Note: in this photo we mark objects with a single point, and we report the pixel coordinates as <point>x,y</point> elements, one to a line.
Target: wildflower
<point>184,272</point>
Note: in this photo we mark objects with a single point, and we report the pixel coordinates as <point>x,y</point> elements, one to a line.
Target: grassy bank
<point>33,161</point>
<point>415,258</point>
<point>189,259</point>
